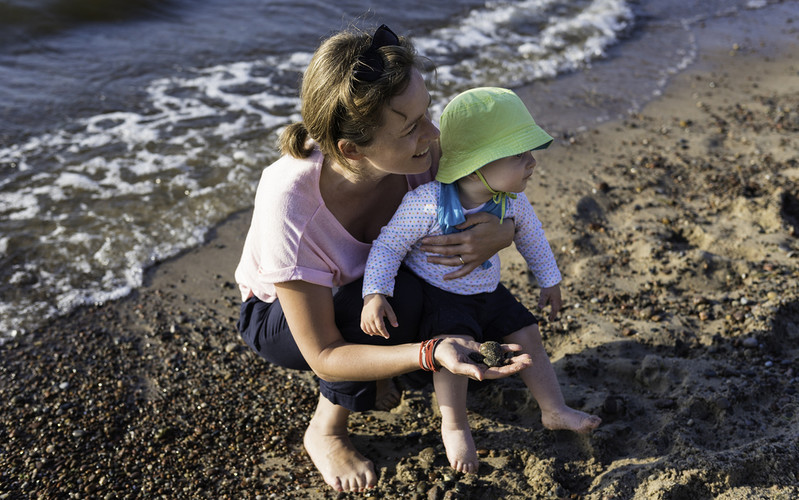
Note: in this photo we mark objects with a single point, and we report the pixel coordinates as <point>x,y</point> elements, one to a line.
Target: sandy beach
<point>677,232</point>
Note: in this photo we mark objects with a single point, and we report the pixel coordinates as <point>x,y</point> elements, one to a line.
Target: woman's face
<point>405,143</point>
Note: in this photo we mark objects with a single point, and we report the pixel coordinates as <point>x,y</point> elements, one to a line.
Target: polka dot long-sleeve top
<point>416,218</point>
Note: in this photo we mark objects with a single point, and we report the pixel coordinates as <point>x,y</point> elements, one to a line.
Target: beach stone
<point>613,405</point>
<point>426,457</point>
<point>665,403</point>
<point>723,403</point>
<point>749,342</point>
<point>589,210</point>
<point>490,354</point>
<point>654,373</point>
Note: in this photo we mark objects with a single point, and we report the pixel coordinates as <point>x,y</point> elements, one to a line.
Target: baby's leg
<point>540,378</point>
<point>455,431</point>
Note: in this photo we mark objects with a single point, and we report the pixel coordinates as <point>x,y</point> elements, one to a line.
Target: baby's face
<point>509,173</point>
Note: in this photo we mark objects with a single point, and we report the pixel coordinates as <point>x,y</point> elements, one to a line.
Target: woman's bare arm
<point>309,313</point>
<point>310,316</point>
<point>485,237</point>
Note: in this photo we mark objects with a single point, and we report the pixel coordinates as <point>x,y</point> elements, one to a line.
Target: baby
<point>487,140</point>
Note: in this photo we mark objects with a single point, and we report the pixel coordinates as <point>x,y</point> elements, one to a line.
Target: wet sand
<point>677,232</point>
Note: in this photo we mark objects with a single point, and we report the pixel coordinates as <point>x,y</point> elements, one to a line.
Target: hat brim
<point>455,166</point>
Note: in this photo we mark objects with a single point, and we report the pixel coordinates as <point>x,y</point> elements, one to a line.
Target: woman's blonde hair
<point>336,104</point>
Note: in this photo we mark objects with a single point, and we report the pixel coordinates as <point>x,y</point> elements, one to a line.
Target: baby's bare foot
<point>340,464</point>
<point>570,419</point>
<point>461,451</point>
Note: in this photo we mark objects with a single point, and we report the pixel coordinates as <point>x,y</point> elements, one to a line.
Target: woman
<point>366,139</point>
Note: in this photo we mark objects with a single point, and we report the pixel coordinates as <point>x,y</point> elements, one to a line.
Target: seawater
<point>129,128</point>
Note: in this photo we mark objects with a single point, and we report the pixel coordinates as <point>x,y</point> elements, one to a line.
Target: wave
<point>86,207</point>
<point>23,20</point>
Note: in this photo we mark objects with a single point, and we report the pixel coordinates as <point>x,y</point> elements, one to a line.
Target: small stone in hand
<point>490,354</point>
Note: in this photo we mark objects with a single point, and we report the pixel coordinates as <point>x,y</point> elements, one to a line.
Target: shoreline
<point>676,231</point>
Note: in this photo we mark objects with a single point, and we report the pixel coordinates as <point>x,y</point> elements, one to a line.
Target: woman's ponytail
<point>294,141</point>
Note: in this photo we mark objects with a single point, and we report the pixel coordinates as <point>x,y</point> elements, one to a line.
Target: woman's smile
<point>423,153</point>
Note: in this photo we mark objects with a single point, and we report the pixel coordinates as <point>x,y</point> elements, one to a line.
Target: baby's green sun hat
<point>482,125</point>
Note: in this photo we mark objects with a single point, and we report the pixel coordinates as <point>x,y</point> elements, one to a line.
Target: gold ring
<point>461,259</point>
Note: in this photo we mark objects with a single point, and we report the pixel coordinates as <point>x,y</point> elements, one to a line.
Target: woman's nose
<point>432,130</point>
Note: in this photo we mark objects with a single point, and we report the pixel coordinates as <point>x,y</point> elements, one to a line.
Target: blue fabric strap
<point>450,211</point>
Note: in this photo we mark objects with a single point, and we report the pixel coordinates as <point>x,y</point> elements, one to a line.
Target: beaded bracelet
<point>426,355</point>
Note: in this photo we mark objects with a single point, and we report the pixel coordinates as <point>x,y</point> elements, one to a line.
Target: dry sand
<point>677,233</point>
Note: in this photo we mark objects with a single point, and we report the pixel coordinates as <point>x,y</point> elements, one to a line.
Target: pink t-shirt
<point>293,235</point>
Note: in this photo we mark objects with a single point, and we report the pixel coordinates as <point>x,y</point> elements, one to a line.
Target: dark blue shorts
<point>423,311</point>
<point>263,327</point>
<point>482,316</point>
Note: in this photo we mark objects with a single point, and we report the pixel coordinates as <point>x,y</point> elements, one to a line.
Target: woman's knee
<point>264,329</point>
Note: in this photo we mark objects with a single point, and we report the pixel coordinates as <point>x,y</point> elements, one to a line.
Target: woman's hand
<point>375,308</point>
<point>453,354</point>
<point>483,237</point>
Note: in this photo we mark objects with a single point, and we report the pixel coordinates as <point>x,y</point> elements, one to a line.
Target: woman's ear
<point>350,150</point>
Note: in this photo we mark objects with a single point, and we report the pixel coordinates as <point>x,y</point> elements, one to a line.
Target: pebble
<point>490,354</point>
<point>665,403</point>
<point>426,457</point>
<point>749,342</point>
<point>613,405</point>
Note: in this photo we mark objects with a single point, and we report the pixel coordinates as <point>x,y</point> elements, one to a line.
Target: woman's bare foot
<point>328,444</point>
<point>388,395</point>
<point>570,419</point>
<point>461,451</point>
<point>340,464</point>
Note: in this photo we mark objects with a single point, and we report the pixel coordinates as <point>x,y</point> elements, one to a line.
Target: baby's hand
<point>375,308</point>
<point>551,296</point>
